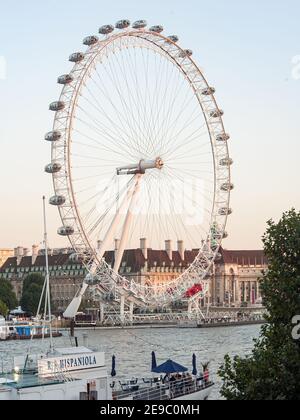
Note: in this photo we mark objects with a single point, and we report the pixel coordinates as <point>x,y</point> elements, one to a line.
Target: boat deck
<point>27,380</point>
<point>157,390</point>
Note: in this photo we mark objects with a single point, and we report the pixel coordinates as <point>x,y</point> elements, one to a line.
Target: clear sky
<point>246,49</point>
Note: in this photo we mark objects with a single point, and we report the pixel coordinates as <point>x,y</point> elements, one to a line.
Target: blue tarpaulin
<point>170,367</point>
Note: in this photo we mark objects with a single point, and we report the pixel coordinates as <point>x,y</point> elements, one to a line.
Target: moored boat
<point>62,374</point>
<point>78,373</point>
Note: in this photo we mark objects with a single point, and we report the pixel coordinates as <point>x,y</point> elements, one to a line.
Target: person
<point>200,380</point>
<point>206,376</point>
<point>189,379</point>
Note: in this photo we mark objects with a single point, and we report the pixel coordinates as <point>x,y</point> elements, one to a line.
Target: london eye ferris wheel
<point>139,150</point>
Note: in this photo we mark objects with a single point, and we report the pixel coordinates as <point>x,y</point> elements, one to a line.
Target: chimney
<point>117,246</point>
<point>144,247</point>
<point>26,252</point>
<point>35,253</point>
<point>19,253</point>
<point>169,249</point>
<point>181,250</point>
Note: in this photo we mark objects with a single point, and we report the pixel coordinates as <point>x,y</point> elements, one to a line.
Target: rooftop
<point>244,258</point>
<point>135,259</point>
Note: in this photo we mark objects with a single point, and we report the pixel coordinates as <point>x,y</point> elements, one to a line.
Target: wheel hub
<point>141,167</point>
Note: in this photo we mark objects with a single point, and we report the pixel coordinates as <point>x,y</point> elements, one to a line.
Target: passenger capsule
<point>223,137</point>
<point>53,168</point>
<point>210,256</point>
<point>185,53</point>
<point>53,136</point>
<point>157,28</point>
<point>106,29</point>
<point>123,24</point>
<point>57,106</point>
<point>90,40</point>
<point>218,257</point>
<point>218,236</point>
<point>173,38</point>
<point>227,187</point>
<point>65,231</point>
<point>226,162</point>
<point>139,24</point>
<point>225,211</point>
<point>65,79</point>
<point>215,247</point>
<point>57,200</point>
<point>208,91</point>
<point>76,57</point>
<point>216,113</point>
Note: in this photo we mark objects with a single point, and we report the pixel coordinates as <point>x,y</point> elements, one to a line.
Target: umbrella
<point>194,365</point>
<point>113,369</point>
<point>18,311</point>
<point>154,364</point>
<point>170,367</point>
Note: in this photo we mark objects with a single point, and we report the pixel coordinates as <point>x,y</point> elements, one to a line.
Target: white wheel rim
<point>64,184</point>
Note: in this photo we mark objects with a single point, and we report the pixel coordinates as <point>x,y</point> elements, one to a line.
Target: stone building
<point>153,267</point>
<point>234,279</point>
<point>5,253</point>
<point>66,275</point>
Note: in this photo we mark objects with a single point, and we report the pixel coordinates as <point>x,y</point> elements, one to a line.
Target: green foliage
<point>7,294</point>
<point>32,290</point>
<point>205,366</point>
<point>3,309</point>
<point>272,371</point>
<point>34,278</point>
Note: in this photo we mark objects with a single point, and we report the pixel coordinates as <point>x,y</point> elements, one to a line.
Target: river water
<point>133,347</point>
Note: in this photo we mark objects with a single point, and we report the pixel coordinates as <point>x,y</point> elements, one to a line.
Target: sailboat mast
<point>48,296</point>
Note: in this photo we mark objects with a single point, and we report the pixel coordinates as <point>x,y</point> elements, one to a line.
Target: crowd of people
<point>182,383</point>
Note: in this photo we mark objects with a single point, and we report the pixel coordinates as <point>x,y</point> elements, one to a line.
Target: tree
<point>32,290</point>
<point>7,294</point>
<point>3,309</point>
<point>272,371</point>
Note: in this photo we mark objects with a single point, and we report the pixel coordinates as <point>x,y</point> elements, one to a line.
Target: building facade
<point>66,274</point>
<point>234,278</point>
<point>5,253</point>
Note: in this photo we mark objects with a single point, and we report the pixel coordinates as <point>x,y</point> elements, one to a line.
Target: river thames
<point>133,347</point>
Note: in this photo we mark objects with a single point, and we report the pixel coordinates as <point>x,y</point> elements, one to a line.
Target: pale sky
<point>248,50</point>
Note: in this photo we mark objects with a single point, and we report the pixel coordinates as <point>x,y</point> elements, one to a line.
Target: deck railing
<point>160,390</point>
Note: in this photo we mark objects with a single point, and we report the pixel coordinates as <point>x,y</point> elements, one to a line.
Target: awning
<point>170,367</point>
